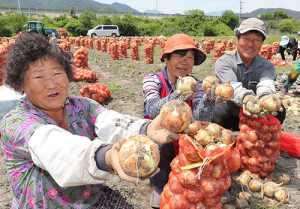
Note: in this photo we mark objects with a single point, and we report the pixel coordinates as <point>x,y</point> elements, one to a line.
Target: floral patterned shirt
<point>33,187</point>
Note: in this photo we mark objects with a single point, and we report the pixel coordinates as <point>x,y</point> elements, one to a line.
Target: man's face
<point>249,45</point>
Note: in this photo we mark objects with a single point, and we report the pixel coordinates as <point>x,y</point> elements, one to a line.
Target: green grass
<point>113,87</point>
<point>131,94</point>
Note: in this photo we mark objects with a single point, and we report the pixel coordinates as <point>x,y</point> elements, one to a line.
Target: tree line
<point>193,23</point>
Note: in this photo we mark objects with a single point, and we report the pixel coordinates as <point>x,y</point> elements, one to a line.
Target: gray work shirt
<point>230,67</point>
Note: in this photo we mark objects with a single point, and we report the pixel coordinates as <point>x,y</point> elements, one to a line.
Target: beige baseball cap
<point>253,24</point>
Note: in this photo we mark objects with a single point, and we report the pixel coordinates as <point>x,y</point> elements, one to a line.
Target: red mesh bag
<point>199,175</point>
<point>258,143</point>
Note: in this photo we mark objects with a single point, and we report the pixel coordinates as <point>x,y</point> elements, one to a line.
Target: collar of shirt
<point>257,62</point>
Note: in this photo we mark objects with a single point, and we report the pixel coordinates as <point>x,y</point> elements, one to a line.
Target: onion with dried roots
<point>271,102</point>
<point>255,185</point>
<point>246,196</point>
<point>187,84</point>
<point>225,90</point>
<point>284,178</point>
<point>209,82</point>
<point>139,156</point>
<point>176,116</point>
<point>203,137</point>
<point>214,130</point>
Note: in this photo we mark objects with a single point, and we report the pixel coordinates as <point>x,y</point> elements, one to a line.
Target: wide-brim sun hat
<point>284,40</point>
<point>253,24</point>
<point>182,42</point>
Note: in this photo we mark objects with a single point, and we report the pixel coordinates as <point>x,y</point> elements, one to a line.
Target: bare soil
<point>128,99</point>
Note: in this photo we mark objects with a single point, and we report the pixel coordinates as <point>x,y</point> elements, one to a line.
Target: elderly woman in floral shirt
<point>59,149</point>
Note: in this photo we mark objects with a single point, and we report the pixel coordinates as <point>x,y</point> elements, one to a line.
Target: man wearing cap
<point>251,76</point>
<point>290,44</point>
<point>180,55</point>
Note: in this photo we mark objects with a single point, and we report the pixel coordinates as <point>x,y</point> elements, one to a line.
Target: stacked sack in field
<point>3,51</point>
<point>206,48</point>
<point>200,175</point>
<point>98,92</point>
<point>122,48</point>
<point>113,50</point>
<point>230,45</point>
<point>65,45</point>
<point>219,51</point>
<point>134,50</point>
<point>82,70</point>
<point>62,32</point>
<point>258,143</point>
<point>103,44</point>
<point>149,51</point>
<point>98,43</point>
<point>266,51</point>
<point>275,46</point>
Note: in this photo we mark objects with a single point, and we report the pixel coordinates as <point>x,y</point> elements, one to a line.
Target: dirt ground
<point>128,99</point>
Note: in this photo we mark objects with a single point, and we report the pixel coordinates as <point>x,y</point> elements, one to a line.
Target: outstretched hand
<point>112,161</point>
<point>252,107</point>
<point>210,95</point>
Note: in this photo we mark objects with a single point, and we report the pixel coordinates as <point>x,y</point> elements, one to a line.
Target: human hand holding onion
<point>187,88</point>
<point>113,162</point>
<point>271,104</point>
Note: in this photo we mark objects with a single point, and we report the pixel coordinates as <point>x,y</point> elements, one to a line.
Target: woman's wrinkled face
<point>46,84</point>
<point>179,65</point>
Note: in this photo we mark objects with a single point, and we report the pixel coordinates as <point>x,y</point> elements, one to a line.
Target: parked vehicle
<point>38,27</point>
<point>104,30</point>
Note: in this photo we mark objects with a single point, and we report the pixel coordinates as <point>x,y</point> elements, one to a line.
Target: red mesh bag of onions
<point>201,173</point>
<point>258,143</point>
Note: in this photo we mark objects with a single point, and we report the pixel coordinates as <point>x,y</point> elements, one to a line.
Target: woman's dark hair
<point>30,47</point>
<point>183,53</point>
<point>238,34</point>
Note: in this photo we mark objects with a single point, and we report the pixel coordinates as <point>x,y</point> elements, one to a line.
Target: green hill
<point>67,4</point>
<point>257,12</point>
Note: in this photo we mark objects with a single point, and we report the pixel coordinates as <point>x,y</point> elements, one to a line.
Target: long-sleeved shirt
<point>230,67</point>
<point>202,109</point>
<point>49,167</point>
<point>292,45</point>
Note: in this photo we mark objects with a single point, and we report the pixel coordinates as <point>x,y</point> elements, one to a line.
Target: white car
<point>104,30</point>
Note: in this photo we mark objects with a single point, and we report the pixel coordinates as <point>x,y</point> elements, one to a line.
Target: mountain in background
<point>153,11</point>
<point>214,13</point>
<point>257,12</point>
<point>67,4</point>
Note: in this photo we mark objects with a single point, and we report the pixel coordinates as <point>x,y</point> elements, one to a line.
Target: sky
<point>179,6</point>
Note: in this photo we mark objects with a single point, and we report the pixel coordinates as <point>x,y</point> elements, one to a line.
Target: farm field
<point>124,78</point>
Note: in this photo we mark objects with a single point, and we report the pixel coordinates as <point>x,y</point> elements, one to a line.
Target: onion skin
<point>209,82</point>
<point>203,137</point>
<point>255,185</point>
<point>271,102</point>
<point>176,116</point>
<point>269,203</point>
<point>281,195</point>
<point>241,204</point>
<point>225,90</point>
<point>194,127</point>
<point>139,156</point>
<point>214,130</point>
<point>269,188</point>
<point>246,196</point>
<point>227,137</point>
<point>187,84</point>
<point>284,178</point>
<point>244,178</point>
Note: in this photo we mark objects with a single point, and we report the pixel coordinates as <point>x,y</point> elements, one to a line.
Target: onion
<point>271,102</point>
<point>265,136</point>
<point>210,187</point>
<point>267,151</point>
<point>266,166</point>
<point>253,161</point>
<point>284,178</point>
<point>187,178</point>
<point>225,90</point>
<point>248,145</point>
<point>178,201</point>
<point>219,171</point>
<point>214,130</point>
<point>254,169</point>
<point>203,137</point>
<point>246,196</point>
<point>252,136</point>
<point>209,82</point>
<point>241,204</point>
<point>139,156</point>
<point>194,127</point>
<point>175,166</point>
<point>182,159</point>
<point>244,178</point>
<point>191,153</point>
<point>207,169</point>
<point>253,106</point>
<point>228,206</point>
<point>255,185</point>
<point>269,188</point>
<point>167,191</point>
<point>269,203</point>
<point>264,128</point>
<point>253,153</point>
<point>260,144</point>
<point>270,178</point>
<point>193,194</point>
<point>187,84</point>
<point>227,137</point>
<point>175,185</point>
<point>281,195</point>
<point>176,116</point>
<point>212,201</point>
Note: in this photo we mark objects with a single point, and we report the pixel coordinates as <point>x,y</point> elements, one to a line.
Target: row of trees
<point>193,23</point>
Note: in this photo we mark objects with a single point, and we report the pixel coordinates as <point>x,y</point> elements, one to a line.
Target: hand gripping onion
<point>225,90</point>
<point>271,102</point>
<point>209,82</point>
<point>187,84</point>
<point>139,156</point>
<point>176,116</point>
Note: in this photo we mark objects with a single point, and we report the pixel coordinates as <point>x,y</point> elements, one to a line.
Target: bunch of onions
<point>139,156</point>
<point>176,116</point>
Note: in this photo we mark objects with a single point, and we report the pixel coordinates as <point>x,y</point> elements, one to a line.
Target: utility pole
<point>241,7</point>
<point>19,8</point>
<point>156,9</point>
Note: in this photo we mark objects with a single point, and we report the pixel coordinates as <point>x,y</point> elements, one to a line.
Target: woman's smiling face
<point>46,84</point>
<point>180,66</point>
